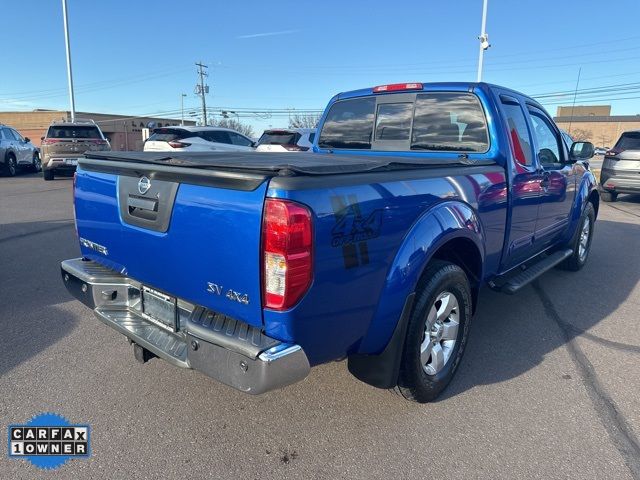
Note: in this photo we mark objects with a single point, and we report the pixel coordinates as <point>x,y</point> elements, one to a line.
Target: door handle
<point>544,183</point>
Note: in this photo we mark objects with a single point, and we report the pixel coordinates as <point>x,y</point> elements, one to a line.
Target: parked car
<point>197,139</point>
<point>251,268</point>
<point>286,140</point>
<point>600,150</point>
<point>621,167</point>
<point>17,152</point>
<point>65,142</point>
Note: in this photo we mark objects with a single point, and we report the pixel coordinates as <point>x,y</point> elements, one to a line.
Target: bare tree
<point>304,120</point>
<point>581,135</point>
<point>234,124</point>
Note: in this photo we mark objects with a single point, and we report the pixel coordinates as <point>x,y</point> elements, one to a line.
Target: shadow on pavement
<point>30,287</point>
<point>509,337</point>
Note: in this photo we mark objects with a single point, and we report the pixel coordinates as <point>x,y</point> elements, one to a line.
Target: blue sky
<point>137,57</point>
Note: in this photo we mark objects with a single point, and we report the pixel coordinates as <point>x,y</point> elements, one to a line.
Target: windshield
<point>628,141</point>
<point>167,135</point>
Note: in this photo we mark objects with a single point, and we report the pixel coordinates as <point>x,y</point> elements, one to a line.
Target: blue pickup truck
<point>254,267</point>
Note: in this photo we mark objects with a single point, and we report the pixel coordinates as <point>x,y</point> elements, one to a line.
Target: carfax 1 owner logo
<point>48,440</point>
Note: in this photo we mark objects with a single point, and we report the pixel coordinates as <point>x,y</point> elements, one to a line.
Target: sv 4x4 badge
<point>230,294</point>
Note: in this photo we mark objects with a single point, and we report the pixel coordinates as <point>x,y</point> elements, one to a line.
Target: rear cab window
<point>74,131</point>
<point>429,121</point>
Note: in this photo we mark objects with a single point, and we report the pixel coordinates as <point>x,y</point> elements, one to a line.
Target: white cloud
<point>268,34</point>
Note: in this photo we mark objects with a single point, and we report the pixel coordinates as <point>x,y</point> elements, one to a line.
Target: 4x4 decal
<point>352,230</point>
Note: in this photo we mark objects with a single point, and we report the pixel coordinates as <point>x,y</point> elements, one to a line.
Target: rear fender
<point>380,353</point>
<point>442,223</point>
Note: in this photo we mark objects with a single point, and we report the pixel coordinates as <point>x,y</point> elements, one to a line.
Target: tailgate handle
<point>141,207</point>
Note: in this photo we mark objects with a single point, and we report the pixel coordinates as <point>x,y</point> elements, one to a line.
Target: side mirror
<point>27,139</point>
<point>581,151</point>
<point>41,138</point>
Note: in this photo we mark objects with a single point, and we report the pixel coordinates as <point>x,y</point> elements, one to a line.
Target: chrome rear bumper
<point>233,352</point>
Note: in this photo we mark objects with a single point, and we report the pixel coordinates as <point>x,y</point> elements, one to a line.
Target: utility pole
<point>484,39</point>
<point>182,95</point>
<point>68,48</point>
<point>202,90</point>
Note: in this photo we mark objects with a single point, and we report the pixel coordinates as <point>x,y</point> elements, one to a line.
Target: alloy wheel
<point>440,334</point>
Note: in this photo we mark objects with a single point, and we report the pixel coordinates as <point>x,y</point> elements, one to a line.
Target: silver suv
<point>65,142</point>
<point>621,167</point>
<point>17,151</point>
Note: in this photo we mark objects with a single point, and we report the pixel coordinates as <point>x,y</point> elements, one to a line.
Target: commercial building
<point>123,131</point>
<point>595,123</point>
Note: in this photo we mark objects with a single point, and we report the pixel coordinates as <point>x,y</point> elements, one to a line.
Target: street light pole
<point>69,72</point>
<point>182,95</point>
<point>484,39</point>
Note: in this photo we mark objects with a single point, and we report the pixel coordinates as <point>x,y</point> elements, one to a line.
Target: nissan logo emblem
<point>144,184</point>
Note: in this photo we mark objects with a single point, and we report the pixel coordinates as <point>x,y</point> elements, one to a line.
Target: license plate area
<point>160,308</point>
<point>71,161</point>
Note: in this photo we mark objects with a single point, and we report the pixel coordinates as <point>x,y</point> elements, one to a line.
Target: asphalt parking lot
<point>548,388</point>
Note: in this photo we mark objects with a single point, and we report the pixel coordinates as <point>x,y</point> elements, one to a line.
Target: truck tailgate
<point>197,242</point>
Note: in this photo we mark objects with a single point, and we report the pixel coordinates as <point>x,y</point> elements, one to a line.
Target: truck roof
<point>459,86</point>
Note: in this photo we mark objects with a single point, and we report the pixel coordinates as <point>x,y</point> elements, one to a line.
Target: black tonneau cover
<point>282,163</point>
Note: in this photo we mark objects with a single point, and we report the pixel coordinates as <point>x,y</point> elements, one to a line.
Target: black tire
<point>47,175</point>
<point>577,260</point>
<point>10,165</point>
<point>414,383</point>
<point>608,196</point>
<point>36,165</point>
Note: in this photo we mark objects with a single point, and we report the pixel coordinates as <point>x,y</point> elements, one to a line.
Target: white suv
<point>197,139</point>
<point>286,140</point>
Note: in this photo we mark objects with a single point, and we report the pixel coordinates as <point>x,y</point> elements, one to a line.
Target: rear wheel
<point>437,332</point>
<point>47,174</point>
<point>608,196</point>
<point>11,167</point>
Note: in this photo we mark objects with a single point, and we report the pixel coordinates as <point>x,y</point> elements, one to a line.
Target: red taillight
<point>177,144</point>
<point>50,141</point>
<point>395,87</point>
<point>287,253</point>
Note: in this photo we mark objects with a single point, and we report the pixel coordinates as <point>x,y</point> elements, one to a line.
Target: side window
<point>349,124</point>
<point>17,136</point>
<point>8,134</point>
<point>518,132</point>
<point>546,139</point>
<point>216,136</point>
<point>1,133</point>
<point>240,140</point>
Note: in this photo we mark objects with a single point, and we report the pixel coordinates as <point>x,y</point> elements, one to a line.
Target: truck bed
<point>284,163</point>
